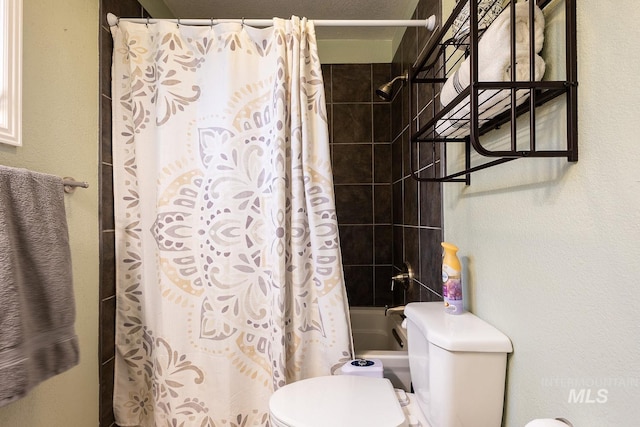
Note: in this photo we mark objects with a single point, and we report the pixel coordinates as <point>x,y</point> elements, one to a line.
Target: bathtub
<point>376,336</point>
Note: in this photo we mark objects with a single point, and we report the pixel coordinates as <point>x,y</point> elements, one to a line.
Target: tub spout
<point>394,310</point>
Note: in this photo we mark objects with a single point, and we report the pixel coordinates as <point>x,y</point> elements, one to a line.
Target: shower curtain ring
<point>212,23</point>
<point>178,24</point>
<point>243,22</point>
<point>147,24</point>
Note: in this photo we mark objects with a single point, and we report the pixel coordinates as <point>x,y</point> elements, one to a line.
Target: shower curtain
<point>229,274</point>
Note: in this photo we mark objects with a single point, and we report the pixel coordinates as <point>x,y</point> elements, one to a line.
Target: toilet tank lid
<point>463,332</point>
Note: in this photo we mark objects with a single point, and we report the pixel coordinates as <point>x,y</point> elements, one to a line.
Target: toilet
<point>458,368</point>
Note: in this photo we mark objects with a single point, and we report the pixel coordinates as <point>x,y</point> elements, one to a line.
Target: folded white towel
<point>494,50</point>
<point>491,101</point>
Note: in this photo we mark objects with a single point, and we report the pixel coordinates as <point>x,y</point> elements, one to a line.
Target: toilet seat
<point>337,401</point>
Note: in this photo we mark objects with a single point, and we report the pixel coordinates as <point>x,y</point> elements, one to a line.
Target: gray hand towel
<point>37,306</point>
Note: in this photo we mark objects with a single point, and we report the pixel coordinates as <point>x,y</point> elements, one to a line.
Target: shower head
<point>386,90</point>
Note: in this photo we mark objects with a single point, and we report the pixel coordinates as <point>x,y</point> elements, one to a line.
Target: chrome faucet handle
<point>400,277</point>
<point>405,277</point>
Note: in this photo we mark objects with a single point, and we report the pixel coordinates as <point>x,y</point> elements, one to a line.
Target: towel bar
<point>71,184</point>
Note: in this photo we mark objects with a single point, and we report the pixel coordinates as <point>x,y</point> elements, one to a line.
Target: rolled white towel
<point>498,34</point>
<point>494,46</point>
<point>456,123</point>
<point>491,101</point>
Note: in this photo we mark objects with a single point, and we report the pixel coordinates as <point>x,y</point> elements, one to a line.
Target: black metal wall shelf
<point>471,114</point>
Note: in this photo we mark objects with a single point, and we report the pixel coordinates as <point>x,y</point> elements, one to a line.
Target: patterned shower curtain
<point>229,274</point>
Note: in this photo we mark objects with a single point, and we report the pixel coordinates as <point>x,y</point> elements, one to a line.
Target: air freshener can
<point>451,280</point>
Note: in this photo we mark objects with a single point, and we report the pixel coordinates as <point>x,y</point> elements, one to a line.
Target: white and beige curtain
<point>229,276</point>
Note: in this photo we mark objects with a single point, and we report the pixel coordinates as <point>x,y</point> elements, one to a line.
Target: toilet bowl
<point>458,368</point>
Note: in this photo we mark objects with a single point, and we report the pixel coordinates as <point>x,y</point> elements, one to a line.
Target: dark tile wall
<point>417,206</point>
<point>107,236</point>
<point>360,137</point>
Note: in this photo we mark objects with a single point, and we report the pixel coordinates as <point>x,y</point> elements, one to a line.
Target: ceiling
<point>311,9</point>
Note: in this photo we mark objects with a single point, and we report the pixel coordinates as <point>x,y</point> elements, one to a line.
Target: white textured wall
<point>60,136</point>
<point>553,249</point>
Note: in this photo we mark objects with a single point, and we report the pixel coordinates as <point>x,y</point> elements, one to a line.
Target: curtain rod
<point>428,23</point>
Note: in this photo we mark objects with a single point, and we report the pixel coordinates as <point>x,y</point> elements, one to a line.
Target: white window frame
<point>11,72</point>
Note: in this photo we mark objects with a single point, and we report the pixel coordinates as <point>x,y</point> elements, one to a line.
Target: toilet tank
<point>458,366</point>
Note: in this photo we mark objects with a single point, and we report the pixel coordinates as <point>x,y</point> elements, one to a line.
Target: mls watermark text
<point>590,390</point>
